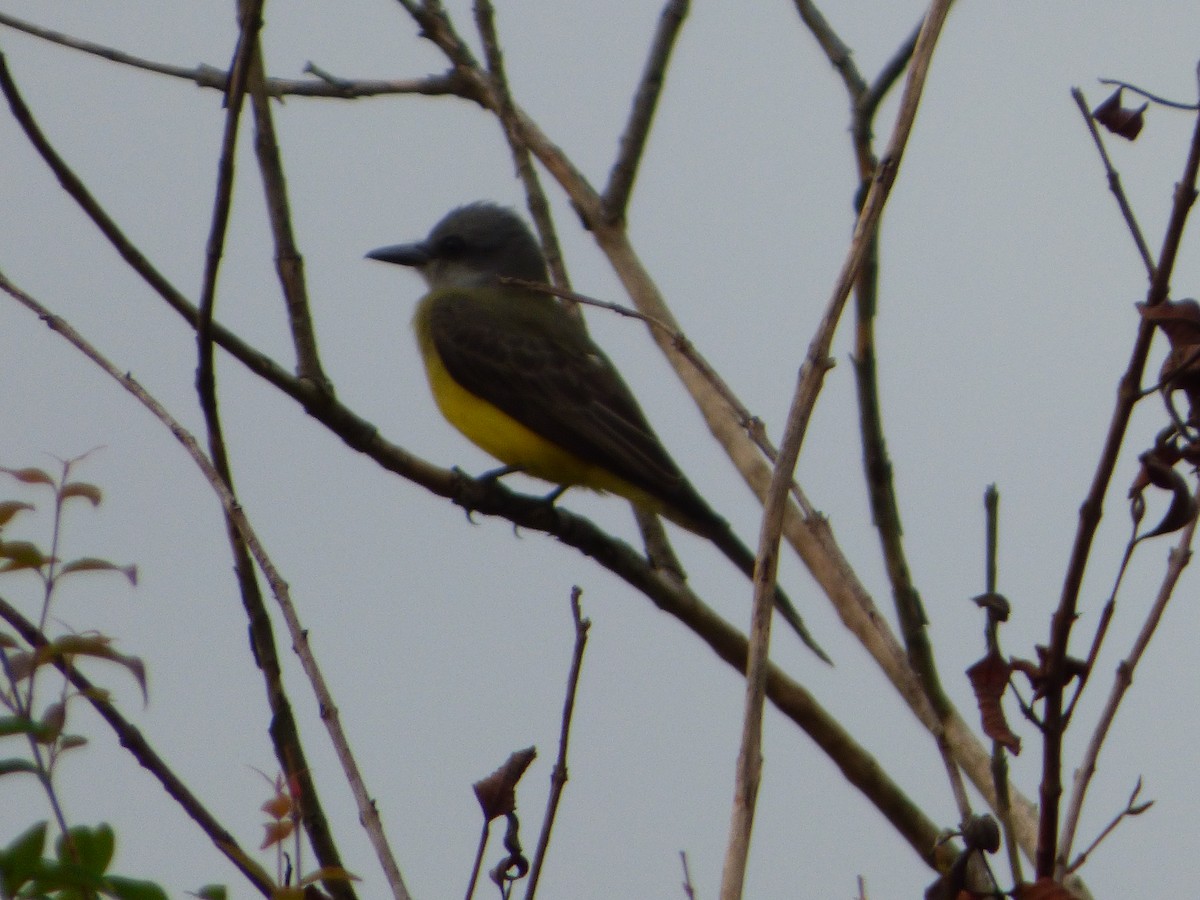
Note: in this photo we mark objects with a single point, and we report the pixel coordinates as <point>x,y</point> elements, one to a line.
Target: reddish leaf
<point>29,476</point>
<point>276,832</point>
<point>1122,121</point>
<point>10,508</point>
<point>989,679</point>
<point>278,807</point>
<point>497,793</point>
<point>1036,672</point>
<point>88,492</point>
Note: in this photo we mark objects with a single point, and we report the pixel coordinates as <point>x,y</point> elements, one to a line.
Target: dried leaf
<point>1178,319</point>
<point>1122,121</point>
<point>497,793</point>
<point>981,833</point>
<point>989,679</point>
<point>996,604</point>
<point>1158,473</point>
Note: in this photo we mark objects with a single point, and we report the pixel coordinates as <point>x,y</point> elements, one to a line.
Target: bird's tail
<point>741,556</point>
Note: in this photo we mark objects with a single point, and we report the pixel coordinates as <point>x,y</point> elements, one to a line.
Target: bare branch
<point>1180,556</point>
<point>641,116</point>
<point>289,263</point>
<point>1153,98</point>
<point>539,207</point>
<point>558,778</point>
<point>835,49</point>
<point>1132,808</point>
<point>1114,183</point>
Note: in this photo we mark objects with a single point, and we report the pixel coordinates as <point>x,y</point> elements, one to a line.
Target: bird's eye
<point>451,245</point>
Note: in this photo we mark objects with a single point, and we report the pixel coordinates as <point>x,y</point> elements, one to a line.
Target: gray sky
<point>1007,292</point>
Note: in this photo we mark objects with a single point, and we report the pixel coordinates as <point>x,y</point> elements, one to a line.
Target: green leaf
<point>65,880</point>
<point>82,489</point>
<point>21,555</point>
<point>10,725</point>
<point>212,892</point>
<point>91,564</point>
<point>71,741</point>
<point>16,765</point>
<point>29,476</point>
<point>93,847</point>
<point>51,725</point>
<point>133,889</point>
<point>20,860</point>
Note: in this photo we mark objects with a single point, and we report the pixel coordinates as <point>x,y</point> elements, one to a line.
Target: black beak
<point>402,254</point>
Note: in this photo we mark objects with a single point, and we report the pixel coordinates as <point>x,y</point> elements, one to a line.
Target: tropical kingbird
<point>515,371</point>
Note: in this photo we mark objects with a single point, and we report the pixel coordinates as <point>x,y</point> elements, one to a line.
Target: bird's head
<point>472,247</point>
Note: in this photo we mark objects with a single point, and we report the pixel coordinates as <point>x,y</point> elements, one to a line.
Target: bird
<point>516,372</point>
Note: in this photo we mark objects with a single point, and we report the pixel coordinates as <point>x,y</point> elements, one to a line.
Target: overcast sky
<point>1007,290</point>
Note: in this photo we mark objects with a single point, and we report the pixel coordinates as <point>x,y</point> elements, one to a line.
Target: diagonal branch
<point>812,374</point>
<point>539,207</point>
<point>633,141</point>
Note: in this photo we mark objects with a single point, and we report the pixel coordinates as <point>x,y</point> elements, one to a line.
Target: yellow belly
<point>512,443</point>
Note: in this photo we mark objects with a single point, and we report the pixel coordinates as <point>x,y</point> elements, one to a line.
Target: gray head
<point>472,246</point>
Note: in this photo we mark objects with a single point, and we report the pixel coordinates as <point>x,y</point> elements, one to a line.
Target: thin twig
<point>615,196</point>
<point>1106,615</point>
<point>812,373</point>
<point>1114,182</point>
<point>835,49</point>
<point>213,78</point>
<point>289,263</point>
<point>1179,557</point>
<point>535,196</point>
<point>879,478</point>
<point>1132,808</point>
<point>1153,98</point>
<point>688,890</point>
<point>477,865</point>
<point>558,777</point>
